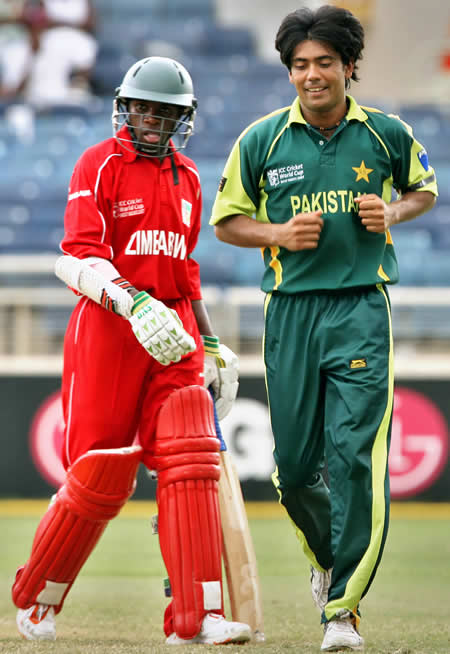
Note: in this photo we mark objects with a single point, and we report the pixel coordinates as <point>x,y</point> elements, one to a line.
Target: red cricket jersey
<point>127,208</point>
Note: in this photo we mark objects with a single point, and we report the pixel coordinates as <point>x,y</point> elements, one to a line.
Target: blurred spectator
<point>444,59</point>
<point>62,33</point>
<point>440,82</point>
<point>47,51</point>
<point>15,49</point>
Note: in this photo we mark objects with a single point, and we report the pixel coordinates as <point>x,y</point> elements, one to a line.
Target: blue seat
<point>216,260</point>
<point>211,145</point>
<point>146,10</point>
<point>176,8</point>
<point>196,36</point>
<point>417,238</point>
<point>112,62</point>
<point>13,213</point>
<point>413,248</point>
<point>431,127</point>
<point>23,239</point>
<point>437,269</point>
<point>437,223</point>
<point>442,169</point>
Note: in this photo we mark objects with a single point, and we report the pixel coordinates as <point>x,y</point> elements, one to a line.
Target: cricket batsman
<point>139,351</point>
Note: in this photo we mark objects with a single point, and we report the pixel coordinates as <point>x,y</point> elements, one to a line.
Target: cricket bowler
<point>318,186</point>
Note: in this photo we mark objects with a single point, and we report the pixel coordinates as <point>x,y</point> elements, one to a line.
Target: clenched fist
<point>374,213</point>
<point>301,232</point>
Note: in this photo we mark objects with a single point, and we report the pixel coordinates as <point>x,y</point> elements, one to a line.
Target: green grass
<point>116,605</point>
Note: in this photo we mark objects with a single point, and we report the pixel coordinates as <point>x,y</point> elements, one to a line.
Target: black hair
<point>334,26</point>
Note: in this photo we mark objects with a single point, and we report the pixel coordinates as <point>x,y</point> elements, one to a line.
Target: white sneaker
<point>320,584</point>
<point>215,631</point>
<point>341,634</point>
<point>37,622</point>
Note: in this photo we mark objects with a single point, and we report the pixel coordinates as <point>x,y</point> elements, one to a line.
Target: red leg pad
<point>96,487</point>
<point>187,461</point>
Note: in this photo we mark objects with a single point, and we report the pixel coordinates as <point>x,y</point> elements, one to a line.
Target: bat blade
<point>238,551</point>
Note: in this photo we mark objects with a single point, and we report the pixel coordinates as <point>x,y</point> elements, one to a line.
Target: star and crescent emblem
<point>362,172</point>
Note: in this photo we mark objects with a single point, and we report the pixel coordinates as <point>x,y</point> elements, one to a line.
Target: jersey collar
<point>355,112</point>
<point>128,152</point>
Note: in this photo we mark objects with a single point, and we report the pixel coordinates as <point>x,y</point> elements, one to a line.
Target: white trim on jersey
<point>97,183</point>
<point>194,171</point>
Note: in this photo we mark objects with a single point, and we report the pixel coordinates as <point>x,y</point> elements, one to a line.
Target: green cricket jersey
<point>281,166</point>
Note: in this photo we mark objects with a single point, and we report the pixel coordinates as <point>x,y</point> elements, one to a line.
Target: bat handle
<point>223,446</point>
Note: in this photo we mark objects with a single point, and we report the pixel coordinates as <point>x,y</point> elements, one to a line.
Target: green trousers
<point>329,376</point>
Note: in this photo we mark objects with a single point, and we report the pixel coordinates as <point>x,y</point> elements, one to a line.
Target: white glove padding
<point>159,330</point>
<point>221,372</point>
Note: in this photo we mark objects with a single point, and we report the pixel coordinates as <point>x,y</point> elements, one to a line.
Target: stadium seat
<point>431,127</point>
<point>151,9</point>
<point>113,60</point>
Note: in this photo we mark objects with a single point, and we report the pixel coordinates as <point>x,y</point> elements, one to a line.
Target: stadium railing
<point>34,315</point>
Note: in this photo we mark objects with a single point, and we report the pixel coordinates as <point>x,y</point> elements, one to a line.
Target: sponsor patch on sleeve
<point>423,158</point>
<point>223,181</point>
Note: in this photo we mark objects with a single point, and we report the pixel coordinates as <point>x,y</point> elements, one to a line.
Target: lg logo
<point>419,447</point>
<point>46,440</point>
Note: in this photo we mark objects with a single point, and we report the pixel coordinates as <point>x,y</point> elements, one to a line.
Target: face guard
<point>178,129</point>
<point>166,82</point>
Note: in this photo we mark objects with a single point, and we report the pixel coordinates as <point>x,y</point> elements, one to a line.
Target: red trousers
<point>112,389</point>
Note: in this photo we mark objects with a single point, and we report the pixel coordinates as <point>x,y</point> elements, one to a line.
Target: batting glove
<point>221,370</point>
<point>159,330</point>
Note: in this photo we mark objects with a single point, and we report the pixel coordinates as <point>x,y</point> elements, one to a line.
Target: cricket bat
<point>238,551</point>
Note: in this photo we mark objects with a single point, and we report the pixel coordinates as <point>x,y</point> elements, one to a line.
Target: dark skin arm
<point>202,318</point>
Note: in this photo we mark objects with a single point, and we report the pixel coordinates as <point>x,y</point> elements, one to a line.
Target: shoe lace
<point>343,625</point>
<point>216,616</point>
<point>39,612</point>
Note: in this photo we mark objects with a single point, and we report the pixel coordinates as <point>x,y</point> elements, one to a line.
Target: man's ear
<point>349,68</point>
